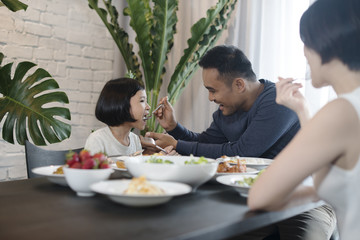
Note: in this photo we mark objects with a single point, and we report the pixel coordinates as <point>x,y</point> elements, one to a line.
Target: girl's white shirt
<point>102,140</point>
<point>340,187</point>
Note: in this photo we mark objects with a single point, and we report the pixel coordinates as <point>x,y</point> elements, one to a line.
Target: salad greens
<point>201,160</point>
<point>154,159</point>
<point>248,181</point>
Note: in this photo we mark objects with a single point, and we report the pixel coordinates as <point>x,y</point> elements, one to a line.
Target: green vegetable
<point>158,160</point>
<point>248,181</point>
<point>201,160</point>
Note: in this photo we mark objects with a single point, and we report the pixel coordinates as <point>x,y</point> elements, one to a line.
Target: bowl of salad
<point>191,170</point>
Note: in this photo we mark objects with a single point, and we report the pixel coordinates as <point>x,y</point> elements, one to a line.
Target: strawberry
<point>84,154</point>
<point>101,156</point>
<point>104,164</point>
<point>74,158</point>
<point>89,163</point>
<point>76,165</point>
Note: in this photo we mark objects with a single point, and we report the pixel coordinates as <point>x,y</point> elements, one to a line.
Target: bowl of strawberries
<point>84,169</point>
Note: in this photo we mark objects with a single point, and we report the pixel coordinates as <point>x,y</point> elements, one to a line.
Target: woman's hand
<point>166,115</point>
<point>288,94</point>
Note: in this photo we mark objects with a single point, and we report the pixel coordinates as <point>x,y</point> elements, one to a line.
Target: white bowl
<point>114,189</point>
<point>192,174</point>
<point>80,180</point>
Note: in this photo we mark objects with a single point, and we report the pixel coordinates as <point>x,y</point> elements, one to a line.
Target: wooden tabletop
<point>38,209</point>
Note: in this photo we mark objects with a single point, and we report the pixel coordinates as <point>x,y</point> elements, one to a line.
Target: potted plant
<point>155,25</point>
<point>22,99</point>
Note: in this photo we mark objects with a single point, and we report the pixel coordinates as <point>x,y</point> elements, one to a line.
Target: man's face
<point>219,92</point>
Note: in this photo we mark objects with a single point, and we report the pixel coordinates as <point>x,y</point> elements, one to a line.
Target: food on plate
<point>120,164</point>
<point>59,170</point>
<point>200,160</point>
<point>84,160</point>
<point>154,159</point>
<point>225,167</point>
<point>140,186</point>
<point>247,181</point>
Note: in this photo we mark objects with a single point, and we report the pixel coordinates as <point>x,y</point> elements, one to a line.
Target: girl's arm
<point>319,143</point>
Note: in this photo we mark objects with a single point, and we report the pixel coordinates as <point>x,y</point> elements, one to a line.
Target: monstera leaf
<point>13,5</point>
<point>27,106</point>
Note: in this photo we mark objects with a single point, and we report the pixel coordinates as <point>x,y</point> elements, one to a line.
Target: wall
<point>67,39</point>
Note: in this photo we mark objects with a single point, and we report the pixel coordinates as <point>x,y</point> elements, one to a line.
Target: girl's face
<point>139,109</point>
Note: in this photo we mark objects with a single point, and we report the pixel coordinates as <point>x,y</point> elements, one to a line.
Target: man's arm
<point>270,126</point>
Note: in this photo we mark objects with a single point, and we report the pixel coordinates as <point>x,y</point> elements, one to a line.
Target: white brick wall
<point>66,38</point>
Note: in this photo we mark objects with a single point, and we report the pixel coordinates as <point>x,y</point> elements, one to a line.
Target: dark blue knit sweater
<point>263,131</point>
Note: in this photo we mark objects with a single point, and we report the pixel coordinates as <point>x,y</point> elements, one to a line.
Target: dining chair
<point>38,157</point>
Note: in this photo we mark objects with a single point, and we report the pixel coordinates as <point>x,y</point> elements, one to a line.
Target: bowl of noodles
<point>190,170</point>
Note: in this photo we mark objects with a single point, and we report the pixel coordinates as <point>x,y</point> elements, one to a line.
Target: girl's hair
<point>332,29</point>
<point>113,105</point>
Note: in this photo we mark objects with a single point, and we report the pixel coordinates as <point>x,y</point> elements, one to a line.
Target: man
<point>247,123</point>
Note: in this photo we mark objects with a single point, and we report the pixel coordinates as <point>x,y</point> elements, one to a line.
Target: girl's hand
<point>166,115</point>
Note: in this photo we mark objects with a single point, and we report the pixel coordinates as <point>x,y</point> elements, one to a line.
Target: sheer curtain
<point>268,33</point>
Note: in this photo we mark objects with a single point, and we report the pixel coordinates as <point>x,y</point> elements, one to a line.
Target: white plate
<point>253,162</point>
<point>47,171</point>
<point>114,189</point>
<point>229,180</point>
<point>248,172</point>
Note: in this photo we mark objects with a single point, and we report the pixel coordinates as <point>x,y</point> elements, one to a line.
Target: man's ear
<point>239,84</point>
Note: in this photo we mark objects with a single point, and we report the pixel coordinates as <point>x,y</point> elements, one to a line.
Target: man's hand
<point>166,115</point>
<point>162,139</point>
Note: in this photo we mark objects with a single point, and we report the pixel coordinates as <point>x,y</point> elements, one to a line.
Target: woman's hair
<point>113,105</point>
<point>230,62</point>
<point>332,29</point>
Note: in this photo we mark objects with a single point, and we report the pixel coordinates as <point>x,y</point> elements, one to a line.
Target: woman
<point>327,146</point>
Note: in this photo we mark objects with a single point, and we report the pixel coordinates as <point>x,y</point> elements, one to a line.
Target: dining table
<point>39,209</point>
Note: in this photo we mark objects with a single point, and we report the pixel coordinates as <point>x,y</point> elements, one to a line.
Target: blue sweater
<point>263,131</point>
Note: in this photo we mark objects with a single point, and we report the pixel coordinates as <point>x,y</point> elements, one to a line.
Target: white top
<point>340,188</point>
<point>102,140</point>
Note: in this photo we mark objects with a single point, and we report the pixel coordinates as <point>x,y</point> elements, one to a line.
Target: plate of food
<point>119,165</point>
<point>54,173</point>
<point>253,162</point>
<point>139,192</point>
<point>241,183</point>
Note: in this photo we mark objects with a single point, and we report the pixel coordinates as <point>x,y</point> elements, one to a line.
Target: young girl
<point>327,146</point>
<point>122,105</point>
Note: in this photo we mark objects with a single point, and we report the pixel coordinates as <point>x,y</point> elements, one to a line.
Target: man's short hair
<point>230,62</point>
<point>113,105</point>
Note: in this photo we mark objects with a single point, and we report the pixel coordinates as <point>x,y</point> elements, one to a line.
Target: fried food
<point>225,167</point>
<point>120,164</point>
<point>59,170</point>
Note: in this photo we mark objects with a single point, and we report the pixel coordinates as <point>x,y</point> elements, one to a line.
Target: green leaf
<point>22,106</point>
<point>119,35</point>
<point>163,30</point>
<point>14,5</point>
<point>1,58</point>
<point>141,22</point>
<point>204,35</point>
